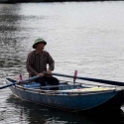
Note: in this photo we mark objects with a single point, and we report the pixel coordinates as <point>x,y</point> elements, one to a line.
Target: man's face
<point>40,45</point>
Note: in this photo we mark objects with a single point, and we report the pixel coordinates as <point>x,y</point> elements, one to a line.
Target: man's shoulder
<point>45,52</point>
<point>32,52</point>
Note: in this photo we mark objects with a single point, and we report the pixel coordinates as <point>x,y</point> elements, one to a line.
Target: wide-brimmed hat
<point>38,41</point>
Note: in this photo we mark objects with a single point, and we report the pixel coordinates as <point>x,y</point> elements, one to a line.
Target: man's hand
<point>48,72</point>
<point>41,75</point>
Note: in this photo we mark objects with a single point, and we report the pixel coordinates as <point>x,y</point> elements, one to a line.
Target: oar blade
<point>118,83</point>
<point>9,85</point>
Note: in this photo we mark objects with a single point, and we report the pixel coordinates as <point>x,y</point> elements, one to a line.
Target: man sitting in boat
<point>37,61</point>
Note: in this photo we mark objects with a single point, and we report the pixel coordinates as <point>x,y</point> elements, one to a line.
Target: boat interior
<point>63,85</point>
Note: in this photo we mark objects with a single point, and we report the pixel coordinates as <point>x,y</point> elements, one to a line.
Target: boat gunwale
<point>61,92</point>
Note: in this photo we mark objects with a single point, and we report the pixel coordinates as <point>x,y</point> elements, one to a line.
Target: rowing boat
<point>76,97</point>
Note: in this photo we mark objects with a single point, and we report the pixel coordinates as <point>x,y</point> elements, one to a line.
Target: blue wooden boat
<point>76,97</point>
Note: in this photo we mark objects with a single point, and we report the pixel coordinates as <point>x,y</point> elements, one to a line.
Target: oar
<point>29,79</point>
<point>118,83</point>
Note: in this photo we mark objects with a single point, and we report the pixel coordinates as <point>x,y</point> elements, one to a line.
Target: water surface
<point>83,36</point>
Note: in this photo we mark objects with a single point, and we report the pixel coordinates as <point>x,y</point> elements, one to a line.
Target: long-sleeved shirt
<point>37,63</point>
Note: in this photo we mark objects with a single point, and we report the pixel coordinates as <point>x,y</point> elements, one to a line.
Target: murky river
<point>83,36</point>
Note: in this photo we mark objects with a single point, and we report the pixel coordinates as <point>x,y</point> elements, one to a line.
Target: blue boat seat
<point>32,85</point>
<point>36,85</point>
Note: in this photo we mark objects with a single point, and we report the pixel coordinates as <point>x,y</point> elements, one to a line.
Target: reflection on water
<point>36,114</point>
<point>84,34</point>
<point>10,47</point>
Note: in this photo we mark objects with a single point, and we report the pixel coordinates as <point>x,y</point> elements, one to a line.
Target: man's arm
<point>51,62</point>
<point>29,64</point>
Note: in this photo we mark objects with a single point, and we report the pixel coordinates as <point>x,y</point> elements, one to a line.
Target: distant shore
<point>26,1</point>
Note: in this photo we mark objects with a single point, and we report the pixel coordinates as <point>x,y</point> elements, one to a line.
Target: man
<point>37,61</point>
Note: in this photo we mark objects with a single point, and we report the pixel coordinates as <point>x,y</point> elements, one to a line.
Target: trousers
<point>48,80</point>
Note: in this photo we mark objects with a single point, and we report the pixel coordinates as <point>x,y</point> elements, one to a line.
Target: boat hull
<point>111,99</point>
